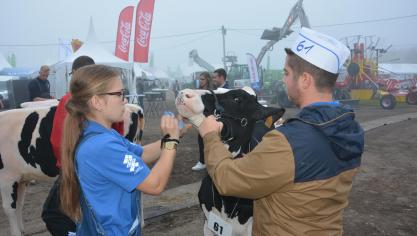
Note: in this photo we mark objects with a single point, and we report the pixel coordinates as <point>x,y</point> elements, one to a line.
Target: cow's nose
<point>188,95</point>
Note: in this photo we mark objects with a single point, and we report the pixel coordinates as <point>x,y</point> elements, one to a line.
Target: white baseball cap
<point>320,50</point>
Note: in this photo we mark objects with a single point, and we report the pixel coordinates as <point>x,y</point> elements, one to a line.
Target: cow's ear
<point>274,112</point>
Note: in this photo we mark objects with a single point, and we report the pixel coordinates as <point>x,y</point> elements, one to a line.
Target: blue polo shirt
<point>109,168</point>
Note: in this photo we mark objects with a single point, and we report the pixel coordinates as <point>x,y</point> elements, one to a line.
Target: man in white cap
<point>301,174</point>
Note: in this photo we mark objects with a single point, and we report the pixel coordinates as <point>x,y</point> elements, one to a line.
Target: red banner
<point>124,30</point>
<point>144,15</point>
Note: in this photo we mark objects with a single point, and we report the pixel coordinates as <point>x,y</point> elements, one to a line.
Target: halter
<point>219,112</point>
<point>227,134</point>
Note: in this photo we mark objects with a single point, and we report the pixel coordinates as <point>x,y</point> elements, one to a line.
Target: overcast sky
<point>25,23</point>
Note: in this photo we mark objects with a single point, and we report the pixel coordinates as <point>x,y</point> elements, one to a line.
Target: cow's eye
<point>237,100</point>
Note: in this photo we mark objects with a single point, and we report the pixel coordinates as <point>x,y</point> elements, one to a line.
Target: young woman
<point>101,170</point>
<point>206,82</point>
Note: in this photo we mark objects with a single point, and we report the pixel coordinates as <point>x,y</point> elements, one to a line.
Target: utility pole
<point>378,52</point>
<point>224,46</point>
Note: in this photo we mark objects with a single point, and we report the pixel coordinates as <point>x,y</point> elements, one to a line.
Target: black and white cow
<point>245,121</point>
<point>26,152</point>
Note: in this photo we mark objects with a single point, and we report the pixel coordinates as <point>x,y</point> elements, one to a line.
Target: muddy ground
<point>383,199</point>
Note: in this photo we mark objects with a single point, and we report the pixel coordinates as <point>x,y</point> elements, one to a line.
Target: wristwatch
<point>169,145</point>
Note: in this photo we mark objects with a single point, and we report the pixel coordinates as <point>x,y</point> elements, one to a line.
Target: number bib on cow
<point>218,225</point>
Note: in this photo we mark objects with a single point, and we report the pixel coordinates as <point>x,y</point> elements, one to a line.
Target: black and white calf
<point>26,152</point>
<point>245,121</point>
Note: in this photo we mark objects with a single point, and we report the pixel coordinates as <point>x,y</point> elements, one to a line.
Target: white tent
<point>160,74</point>
<point>142,73</point>
<point>93,49</point>
<point>398,68</point>
<point>4,63</point>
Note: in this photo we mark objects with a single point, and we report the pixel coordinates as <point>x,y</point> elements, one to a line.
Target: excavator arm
<point>194,56</point>
<point>276,34</point>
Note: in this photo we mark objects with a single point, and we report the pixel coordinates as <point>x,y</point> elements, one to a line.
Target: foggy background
<point>31,29</point>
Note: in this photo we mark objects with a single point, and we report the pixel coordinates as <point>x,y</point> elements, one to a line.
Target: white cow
<point>26,153</point>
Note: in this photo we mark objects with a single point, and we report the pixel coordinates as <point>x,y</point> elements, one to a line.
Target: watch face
<point>170,145</point>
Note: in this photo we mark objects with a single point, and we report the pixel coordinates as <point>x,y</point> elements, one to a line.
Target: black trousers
<point>201,148</point>
<point>57,223</point>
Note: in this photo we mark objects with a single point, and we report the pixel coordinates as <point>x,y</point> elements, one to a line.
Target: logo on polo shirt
<point>132,164</point>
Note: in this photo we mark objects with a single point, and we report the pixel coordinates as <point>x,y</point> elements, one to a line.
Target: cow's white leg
<point>7,201</point>
<point>206,230</point>
<point>21,192</point>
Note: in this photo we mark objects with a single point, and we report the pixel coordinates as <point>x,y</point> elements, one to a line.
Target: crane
<point>197,59</point>
<point>276,34</point>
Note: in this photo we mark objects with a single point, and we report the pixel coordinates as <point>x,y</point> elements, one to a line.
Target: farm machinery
<point>366,79</point>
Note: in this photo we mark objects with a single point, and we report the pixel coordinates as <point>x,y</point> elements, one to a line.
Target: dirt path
<point>380,203</point>
<point>383,198</point>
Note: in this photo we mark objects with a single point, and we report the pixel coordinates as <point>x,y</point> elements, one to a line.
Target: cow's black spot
<point>26,136</point>
<point>1,163</point>
<point>133,127</point>
<point>14,195</point>
<point>43,153</point>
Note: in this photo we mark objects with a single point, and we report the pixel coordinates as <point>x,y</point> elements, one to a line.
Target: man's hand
<point>210,124</point>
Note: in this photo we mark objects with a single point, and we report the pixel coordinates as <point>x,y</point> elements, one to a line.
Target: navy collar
<point>333,103</point>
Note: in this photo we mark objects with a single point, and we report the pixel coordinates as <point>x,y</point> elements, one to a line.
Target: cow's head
<point>237,109</point>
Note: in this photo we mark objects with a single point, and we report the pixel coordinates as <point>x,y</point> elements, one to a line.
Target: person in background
<point>220,79</point>
<point>2,106</point>
<point>102,172</point>
<point>140,89</point>
<point>57,223</point>
<point>39,88</point>
<point>176,88</point>
<point>206,82</point>
<point>300,174</point>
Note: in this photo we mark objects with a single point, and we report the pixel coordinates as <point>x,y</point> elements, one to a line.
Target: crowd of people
<point>299,175</point>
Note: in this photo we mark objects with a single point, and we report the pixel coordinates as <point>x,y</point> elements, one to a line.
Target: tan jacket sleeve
<point>269,167</point>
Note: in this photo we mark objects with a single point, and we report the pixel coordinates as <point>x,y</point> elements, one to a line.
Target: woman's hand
<point>185,125</point>
<point>169,125</point>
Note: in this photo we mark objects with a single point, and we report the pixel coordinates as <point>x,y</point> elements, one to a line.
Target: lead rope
<point>234,208</point>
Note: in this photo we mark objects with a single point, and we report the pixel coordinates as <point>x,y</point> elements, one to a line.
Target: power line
<point>111,41</point>
<point>186,43</point>
<point>338,24</point>
<point>184,34</point>
<point>214,30</point>
<point>367,21</point>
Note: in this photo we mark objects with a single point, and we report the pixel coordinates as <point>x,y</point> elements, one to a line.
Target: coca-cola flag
<point>144,15</point>
<point>124,30</point>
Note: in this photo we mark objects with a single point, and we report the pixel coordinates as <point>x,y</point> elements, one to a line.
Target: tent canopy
<point>160,74</point>
<point>4,63</point>
<point>140,72</point>
<point>398,68</point>
<point>20,71</point>
<point>93,49</point>
<point>4,78</point>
